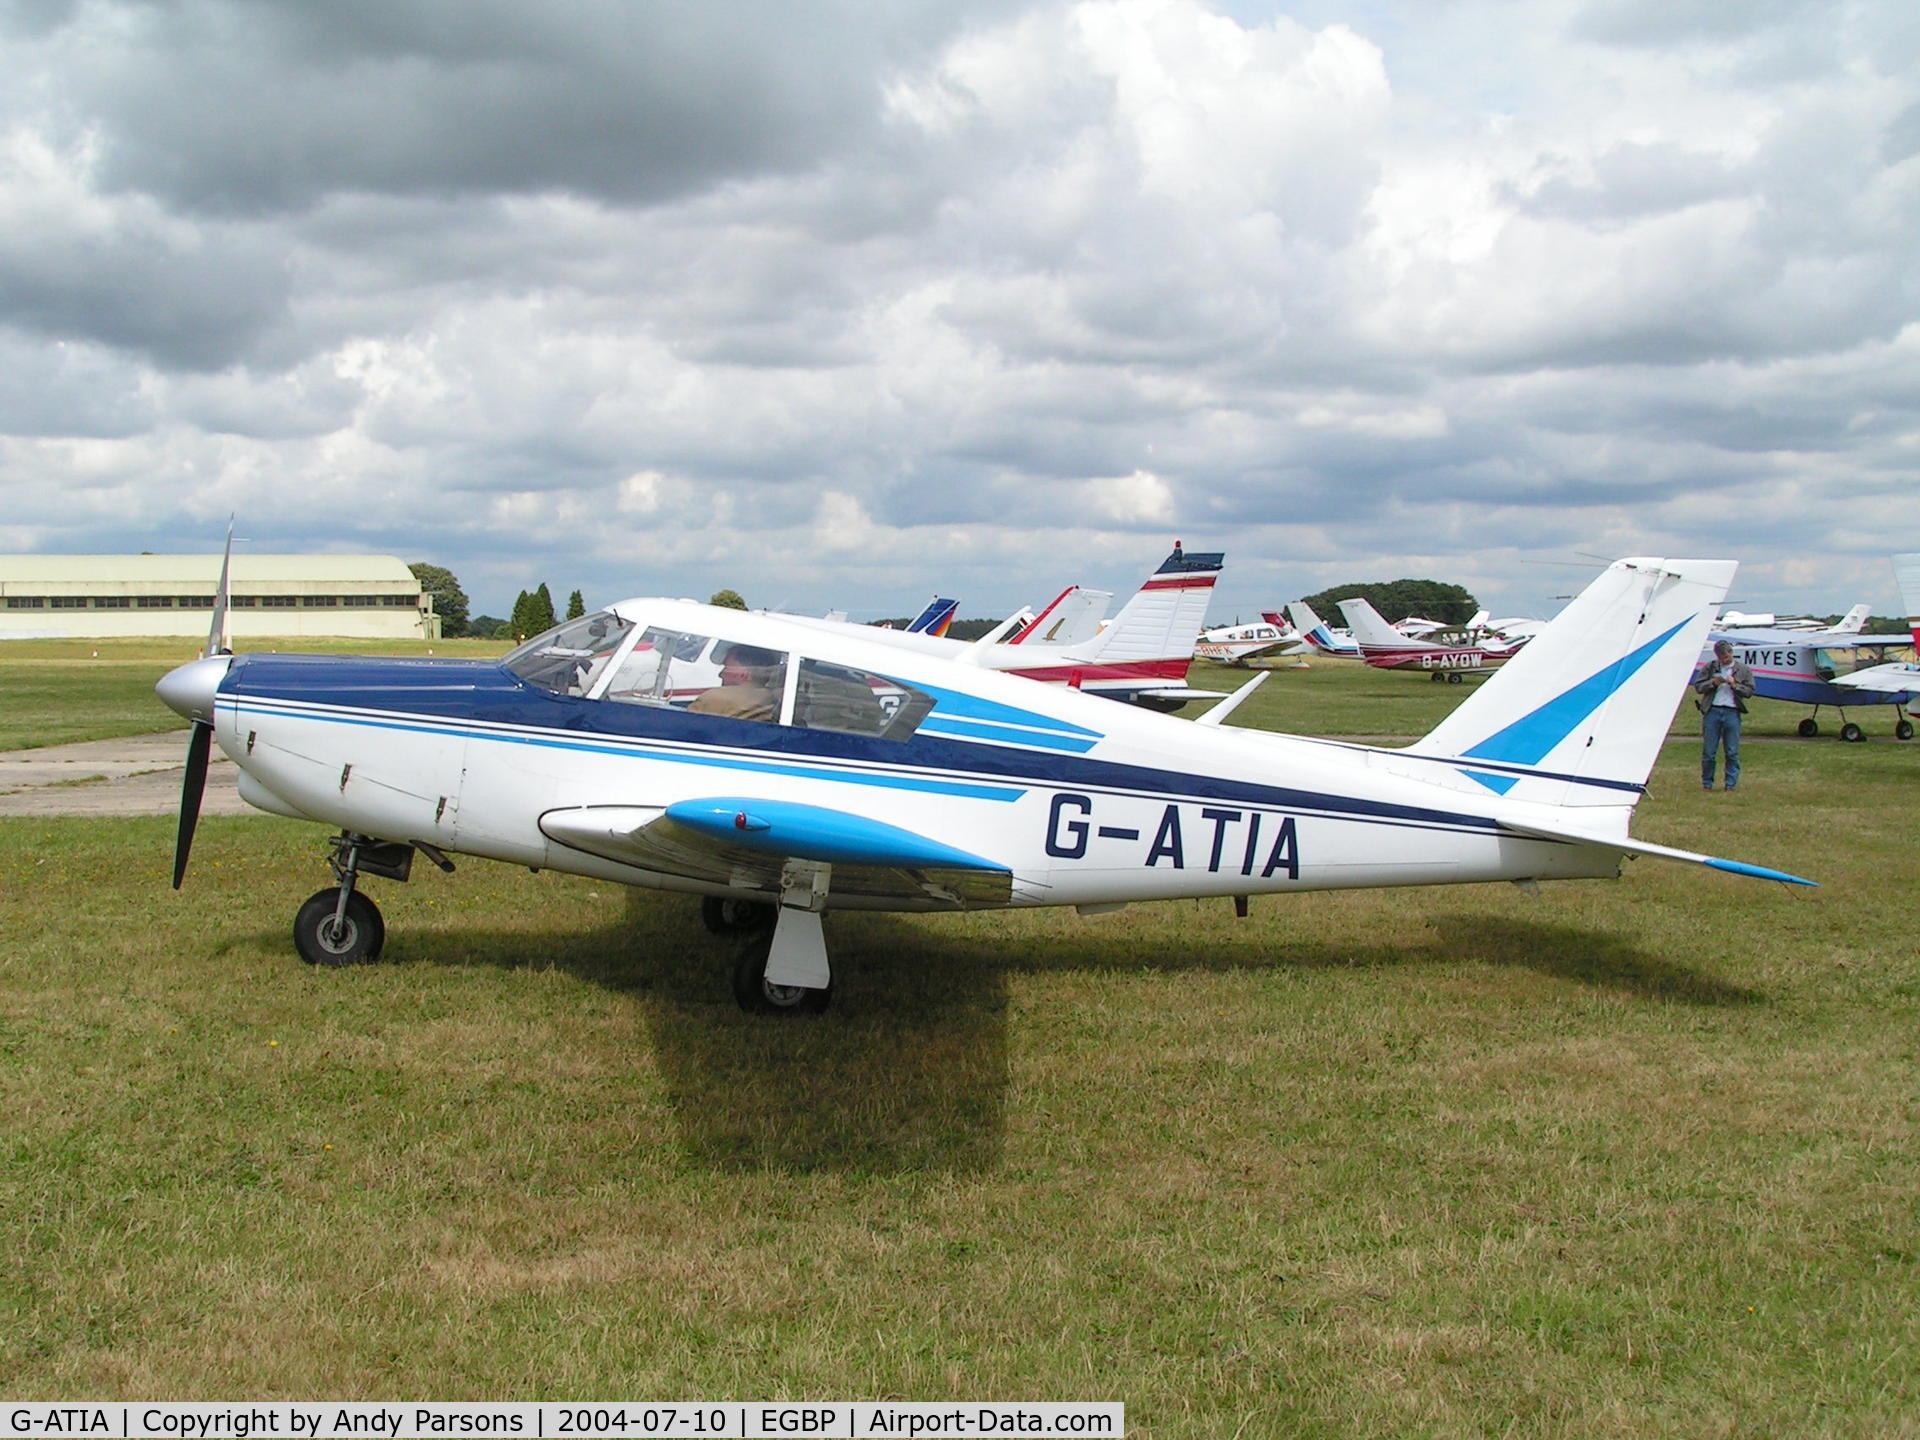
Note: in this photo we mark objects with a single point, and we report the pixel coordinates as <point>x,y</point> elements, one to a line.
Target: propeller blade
<point>199,747</point>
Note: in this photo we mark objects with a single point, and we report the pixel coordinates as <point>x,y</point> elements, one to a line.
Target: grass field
<point>1621,1159</point>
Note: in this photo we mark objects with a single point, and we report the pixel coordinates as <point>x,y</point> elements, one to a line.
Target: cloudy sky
<point>842,303</point>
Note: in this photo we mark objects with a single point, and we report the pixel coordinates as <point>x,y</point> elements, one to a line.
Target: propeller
<point>199,748</point>
<point>189,690</point>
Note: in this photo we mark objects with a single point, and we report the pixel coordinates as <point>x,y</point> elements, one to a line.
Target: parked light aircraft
<point>890,780</point>
<point>1319,635</point>
<point>1809,667</point>
<point>1387,649</point>
<point>1239,644</point>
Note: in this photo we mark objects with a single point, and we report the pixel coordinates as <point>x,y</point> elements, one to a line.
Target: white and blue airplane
<point>878,778</point>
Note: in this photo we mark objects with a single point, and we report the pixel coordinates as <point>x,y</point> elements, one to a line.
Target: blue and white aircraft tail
<point>936,619</point>
<point>1576,718</point>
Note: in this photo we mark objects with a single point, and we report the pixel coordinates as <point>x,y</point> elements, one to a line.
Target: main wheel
<point>1904,730</point>
<point>1809,728</point>
<point>759,996</point>
<point>725,915</point>
<point>1454,677</point>
<point>1852,733</point>
<point>356,940</point>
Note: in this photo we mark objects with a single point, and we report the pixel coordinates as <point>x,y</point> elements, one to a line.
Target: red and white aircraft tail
<point>1142,656</point>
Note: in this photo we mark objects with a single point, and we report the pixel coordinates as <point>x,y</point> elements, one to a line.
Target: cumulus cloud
<point>986,297</point>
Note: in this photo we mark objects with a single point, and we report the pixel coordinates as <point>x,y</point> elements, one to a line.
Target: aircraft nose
<point>188,690</point>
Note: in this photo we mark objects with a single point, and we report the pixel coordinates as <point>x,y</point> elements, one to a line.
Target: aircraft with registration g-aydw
<point>891,780</point>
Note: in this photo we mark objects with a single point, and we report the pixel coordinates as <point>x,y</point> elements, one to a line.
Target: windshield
<point>568,659</point>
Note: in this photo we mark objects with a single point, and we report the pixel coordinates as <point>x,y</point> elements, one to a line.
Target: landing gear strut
<point>782,969</point>
<point>341,926</point>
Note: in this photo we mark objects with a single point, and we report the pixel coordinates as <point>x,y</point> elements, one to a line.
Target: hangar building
<point>99,596</point>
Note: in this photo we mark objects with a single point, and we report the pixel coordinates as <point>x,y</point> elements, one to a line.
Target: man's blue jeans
<point>1720,726</point>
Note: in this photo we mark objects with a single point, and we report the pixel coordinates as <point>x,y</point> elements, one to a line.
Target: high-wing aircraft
<point>1387,649</point>
<point>1141,657</point>
<point>1812,667</point>
<point>827,771</point>
<point>1321,637</point>
<point>1240,644</point>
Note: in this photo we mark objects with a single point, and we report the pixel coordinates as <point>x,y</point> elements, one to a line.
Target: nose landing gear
<point>340,925</point>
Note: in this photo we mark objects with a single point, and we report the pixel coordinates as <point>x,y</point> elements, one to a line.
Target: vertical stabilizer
<point>1163,616</point>
<point>1369,627</point>
<point>1906,569</point>
<point>1578,716</point>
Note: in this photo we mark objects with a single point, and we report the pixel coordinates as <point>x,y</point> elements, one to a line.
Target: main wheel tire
<point>1809,728</point>
<point>358,940</point>
<point>1852,733</point>
<point>1454,678</point>
<point>725,915</point>
<point>1904,730</point>
<point>757,995</point>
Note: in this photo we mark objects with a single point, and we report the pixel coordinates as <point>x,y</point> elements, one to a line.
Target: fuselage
<point>1082,801</point>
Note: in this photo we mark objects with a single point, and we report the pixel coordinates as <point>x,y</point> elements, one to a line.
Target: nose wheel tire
<point>355,940</point>
<point>759,996</point>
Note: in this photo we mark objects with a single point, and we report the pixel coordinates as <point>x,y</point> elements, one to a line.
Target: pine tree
<point>540,611</point>
<point>576,606</point>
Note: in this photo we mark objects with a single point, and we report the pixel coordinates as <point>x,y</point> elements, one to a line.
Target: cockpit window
<point>569,658</point>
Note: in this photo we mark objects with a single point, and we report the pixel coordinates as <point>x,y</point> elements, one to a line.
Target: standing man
<point>1723,694</point>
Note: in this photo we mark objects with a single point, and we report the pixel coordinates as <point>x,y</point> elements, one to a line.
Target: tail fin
<point>1578,716</point>
<point>1906,569</point>
<point>935,619</point>
<point>1855,620</point>
<point>1316,632</point>
<point>1074,615</point>
<point>1368,626</point>
<point>1161,619</point>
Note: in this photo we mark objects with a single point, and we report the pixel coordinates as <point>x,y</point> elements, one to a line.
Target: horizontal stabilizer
<point>1629,846</point>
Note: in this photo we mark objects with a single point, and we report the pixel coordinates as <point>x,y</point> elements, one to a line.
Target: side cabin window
<point>701,674</point>
<point>856,702</point>
<point>571,658</point>
<point>710,675</point>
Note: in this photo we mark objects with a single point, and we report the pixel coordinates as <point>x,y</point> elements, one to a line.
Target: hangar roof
<point>205,569</point>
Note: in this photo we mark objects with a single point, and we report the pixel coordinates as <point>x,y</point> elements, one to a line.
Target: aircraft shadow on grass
<point>911,1074</point>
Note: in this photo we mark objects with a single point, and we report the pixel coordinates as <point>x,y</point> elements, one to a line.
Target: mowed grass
<point>1620,1159</point>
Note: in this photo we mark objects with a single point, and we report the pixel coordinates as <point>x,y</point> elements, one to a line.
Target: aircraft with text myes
<point>877,778</point>
<point>1819,666</point>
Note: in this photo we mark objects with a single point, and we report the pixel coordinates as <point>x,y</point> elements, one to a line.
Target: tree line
<point>1397,599</point>
<point>533,610</point>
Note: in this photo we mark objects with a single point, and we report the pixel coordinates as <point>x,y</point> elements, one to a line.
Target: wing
<point>1895,679</point>
<point>743,843</point>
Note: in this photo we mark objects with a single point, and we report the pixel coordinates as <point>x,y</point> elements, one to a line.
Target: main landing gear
<point>1851,733</point>
<point>781,966</point>
<point>340,925</point>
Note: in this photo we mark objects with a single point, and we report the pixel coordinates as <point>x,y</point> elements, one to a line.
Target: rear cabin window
<point>856,702</point>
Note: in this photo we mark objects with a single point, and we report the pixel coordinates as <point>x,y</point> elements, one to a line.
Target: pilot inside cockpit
<point>751,679</point>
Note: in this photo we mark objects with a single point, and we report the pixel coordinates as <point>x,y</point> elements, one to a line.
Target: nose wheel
<point>325,932</point>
